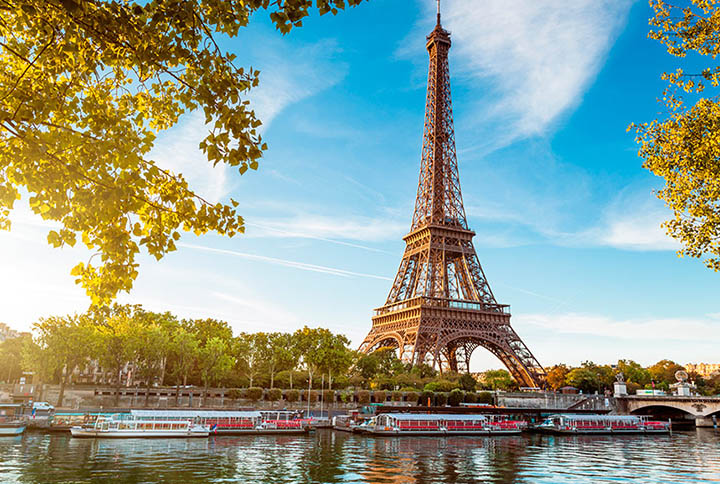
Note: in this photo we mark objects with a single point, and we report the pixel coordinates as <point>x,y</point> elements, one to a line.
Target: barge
<point>602,424</point>
<point>227,422</point>
<point>122,426</point>
<point>401,424</point>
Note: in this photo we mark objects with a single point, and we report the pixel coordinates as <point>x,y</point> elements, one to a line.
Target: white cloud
<point>640,329</point>
<point>538,55</point>
<point>632,221</point>
<point>289,74</point>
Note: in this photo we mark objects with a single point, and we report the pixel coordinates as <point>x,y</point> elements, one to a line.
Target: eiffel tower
<point>440,307</point>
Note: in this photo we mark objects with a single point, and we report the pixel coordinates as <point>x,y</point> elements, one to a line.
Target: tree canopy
<point>683,147</point>
<point>85,87</point>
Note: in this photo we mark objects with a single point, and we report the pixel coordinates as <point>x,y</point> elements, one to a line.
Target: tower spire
<point>440,307</point>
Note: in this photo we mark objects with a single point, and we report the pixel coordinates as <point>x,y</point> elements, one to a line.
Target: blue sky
<point>567,225</point>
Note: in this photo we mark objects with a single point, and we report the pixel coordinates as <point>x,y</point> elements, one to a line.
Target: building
<point>703,369</point>
<point>6,332</point>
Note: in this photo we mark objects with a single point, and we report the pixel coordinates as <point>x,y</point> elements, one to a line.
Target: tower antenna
<point>438,12</point>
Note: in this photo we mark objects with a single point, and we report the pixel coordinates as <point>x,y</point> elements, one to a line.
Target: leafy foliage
<point>85,87</point>
<point>684,146</point>
<point>498,380</point>
<point>556,376</point>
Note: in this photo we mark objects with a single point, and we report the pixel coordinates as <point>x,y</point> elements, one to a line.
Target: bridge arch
<point>665,410</point>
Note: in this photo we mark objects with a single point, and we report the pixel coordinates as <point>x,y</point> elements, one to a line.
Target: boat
<point>344,423</point>
<point>124,426</point>
<point>10,427</point>
<point>442,424</point>
<point>230,422</point>
<point>603,424</point>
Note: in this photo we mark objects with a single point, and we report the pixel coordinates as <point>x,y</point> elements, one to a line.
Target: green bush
<point>254,393</point>
<point>234,393</point>
<point>292,395</point>
<point>485,397</point>
<point>313,395</point>
<point>328,397</point>
<point>363,397</point>
<point>274,394</point>
<point>456,397</point>
<point>396,396</point>
<point>379,396</point>
<point>412,397</point>
<point>425,396</point>
<point>441,399</point>
<point>471,397</point>
<point>346,396</point>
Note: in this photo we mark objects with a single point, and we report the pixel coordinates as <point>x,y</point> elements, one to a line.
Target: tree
<point>215,362</point>
<point>591,377</point>
<point>11,357</point>
<point>153,346</point>
<point>499,380</point>
<point>634,372</point>
<point>204,329</point>
<point>664,371</point>
<point>87,84</point>
<point>286,353</point>
<point>683,147</point>
<point>381,362</point>
<point>65,343</point>
<point>556,376</point>
<point>278,353</point>
<point>183,355</point>
<point>334,356</point>
<point>467,382</point>
<point>115,340</point>
<point>249,349</point>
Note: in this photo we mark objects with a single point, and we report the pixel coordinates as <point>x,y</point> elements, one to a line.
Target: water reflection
<point>334,457</point>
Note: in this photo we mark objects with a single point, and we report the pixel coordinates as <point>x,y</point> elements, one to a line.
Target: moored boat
<point>129,427</point>
<point>230,422</point>
<point>602,424</point>
<point>442,424</point>
<point>343,423</point>
<point>12,427</point>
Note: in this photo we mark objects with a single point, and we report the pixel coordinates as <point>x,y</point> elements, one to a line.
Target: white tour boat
<point>232,422</point>
<point>603,424</point>
<point>442,424</point>
<point>129,427</point>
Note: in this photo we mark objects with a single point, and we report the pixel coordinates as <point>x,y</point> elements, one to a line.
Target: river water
<point>327,456</point>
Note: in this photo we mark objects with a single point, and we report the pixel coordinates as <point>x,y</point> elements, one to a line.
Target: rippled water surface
<point>326,456</point>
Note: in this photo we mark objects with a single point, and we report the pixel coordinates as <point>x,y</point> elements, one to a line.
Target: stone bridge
<point>704,410</point>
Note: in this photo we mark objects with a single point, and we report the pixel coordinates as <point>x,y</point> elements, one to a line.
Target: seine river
<point>326,456</point>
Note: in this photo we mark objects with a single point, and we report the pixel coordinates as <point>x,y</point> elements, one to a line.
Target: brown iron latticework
<point>440,307</point>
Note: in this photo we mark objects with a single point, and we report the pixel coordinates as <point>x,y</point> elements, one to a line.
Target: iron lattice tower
<point>440,307</point>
